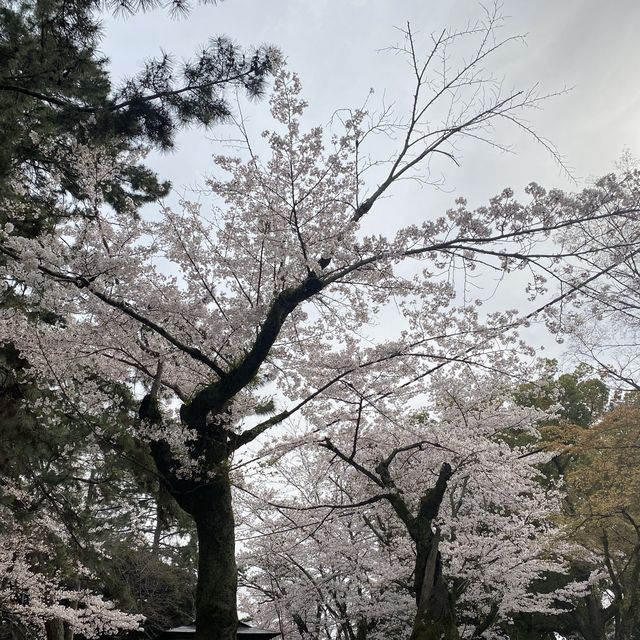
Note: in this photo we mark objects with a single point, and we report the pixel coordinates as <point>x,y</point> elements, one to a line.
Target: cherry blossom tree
<point>472,533</point>
<point>315,571</point>
<point>229,322</point>
<point>602,323</point>
<point>35,596</point>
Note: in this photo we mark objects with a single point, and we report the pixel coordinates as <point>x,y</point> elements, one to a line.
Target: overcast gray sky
<point>588,45</point>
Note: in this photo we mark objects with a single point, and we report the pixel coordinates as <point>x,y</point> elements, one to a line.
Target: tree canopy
<point>159,361</point>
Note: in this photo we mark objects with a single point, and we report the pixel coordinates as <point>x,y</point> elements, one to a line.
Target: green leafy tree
<point>578,399</point>
<point>602,521</point>
<point>604,514</point>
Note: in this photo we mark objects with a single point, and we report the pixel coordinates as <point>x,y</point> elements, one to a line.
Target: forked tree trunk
<point>435,617</point>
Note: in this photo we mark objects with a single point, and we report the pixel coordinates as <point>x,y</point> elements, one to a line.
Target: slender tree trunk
<point>158,529</point>
<point>157,534</point>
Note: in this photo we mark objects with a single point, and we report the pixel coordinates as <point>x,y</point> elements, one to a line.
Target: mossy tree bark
<point>216,616</point>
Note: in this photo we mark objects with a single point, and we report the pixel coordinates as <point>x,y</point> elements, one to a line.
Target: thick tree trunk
<point>207,499</point>
<point>216,613</point>
<point>435,616</point>
<point>589,621</point>
<point>54,629</point>
<point>628,618</point>
<point>628,624</point>
<point>208,502</point>
<point>57,629</point>
<point>362,629</point>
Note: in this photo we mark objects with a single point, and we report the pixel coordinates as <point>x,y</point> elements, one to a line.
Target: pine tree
<point>55,87</point>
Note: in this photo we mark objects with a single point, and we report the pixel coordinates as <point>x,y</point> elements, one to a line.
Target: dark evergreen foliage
<point>55,87</point>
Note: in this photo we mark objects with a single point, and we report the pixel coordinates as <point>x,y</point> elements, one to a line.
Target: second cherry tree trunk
<point>435,616</point>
